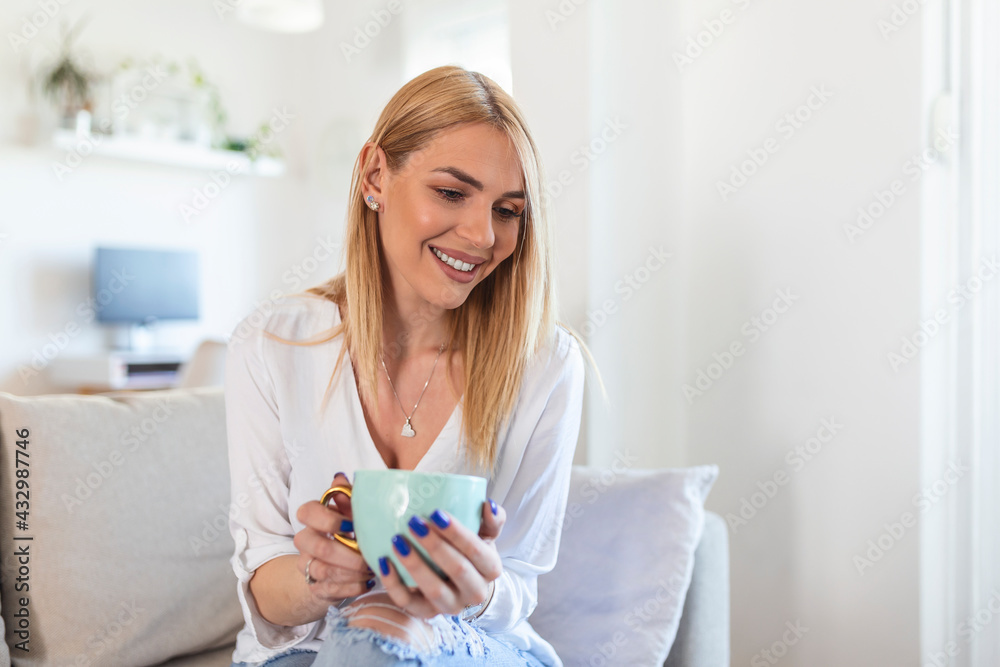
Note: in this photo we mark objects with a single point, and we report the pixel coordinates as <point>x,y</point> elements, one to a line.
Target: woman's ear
<point>372,180</point>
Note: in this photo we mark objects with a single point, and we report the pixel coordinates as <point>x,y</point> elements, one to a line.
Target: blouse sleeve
<point>259,471</point>
<point>536,500</point>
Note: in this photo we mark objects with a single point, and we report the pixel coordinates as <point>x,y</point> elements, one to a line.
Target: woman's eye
<point>507,214</point>
<point>455,196</point>
<point>450,195</point>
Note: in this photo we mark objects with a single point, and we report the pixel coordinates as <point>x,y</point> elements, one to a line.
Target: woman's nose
<point>477,229</point>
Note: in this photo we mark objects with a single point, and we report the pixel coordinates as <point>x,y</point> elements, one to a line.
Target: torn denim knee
<point>446,634</point>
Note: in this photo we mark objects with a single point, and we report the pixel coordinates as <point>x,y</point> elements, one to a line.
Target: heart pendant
<point>407,431</point>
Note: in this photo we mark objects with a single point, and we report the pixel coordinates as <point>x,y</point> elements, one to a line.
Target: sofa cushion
<point>125,545</point>
<point>221,657</point>
<point>626,555</point>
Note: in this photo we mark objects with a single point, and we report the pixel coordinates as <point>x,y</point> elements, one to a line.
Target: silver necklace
<point>408,431</point>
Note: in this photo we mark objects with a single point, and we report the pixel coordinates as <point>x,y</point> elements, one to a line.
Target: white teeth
<point>452,262</point>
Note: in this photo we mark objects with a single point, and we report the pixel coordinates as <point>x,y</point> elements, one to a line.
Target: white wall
<point>783,230</point>
<point>253,238</point>
<point>552,86</point>
<point>825,358</point>
<point>637,247</point>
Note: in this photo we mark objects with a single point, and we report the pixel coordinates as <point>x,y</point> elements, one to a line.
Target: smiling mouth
<point>456,264</point>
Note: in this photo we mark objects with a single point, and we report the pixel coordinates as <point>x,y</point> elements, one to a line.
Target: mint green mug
<point>383,501</point>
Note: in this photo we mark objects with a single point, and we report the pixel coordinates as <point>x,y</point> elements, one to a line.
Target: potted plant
<point>70,86</point>
<point>211,130</point>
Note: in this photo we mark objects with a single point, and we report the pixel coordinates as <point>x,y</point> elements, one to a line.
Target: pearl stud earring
<point>372,204</point>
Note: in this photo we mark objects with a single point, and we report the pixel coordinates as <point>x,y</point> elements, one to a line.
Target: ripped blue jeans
<point>449,642</point>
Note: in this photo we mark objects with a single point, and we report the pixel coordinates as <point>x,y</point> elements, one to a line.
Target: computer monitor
<point>140,287</point>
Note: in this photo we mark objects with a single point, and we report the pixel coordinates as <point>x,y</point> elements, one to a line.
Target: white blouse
<point>283,453</point>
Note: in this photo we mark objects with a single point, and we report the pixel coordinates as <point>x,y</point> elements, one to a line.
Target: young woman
<point>448,259</point>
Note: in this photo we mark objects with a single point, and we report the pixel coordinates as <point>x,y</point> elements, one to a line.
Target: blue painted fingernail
<point>419,526</point>
<point>493,506</point>
<point>371,583</point>
<point>401,546</point>
<point>440,519</point>
<point>341,473</point>
<point>346,526</point>
<point>383,564</point>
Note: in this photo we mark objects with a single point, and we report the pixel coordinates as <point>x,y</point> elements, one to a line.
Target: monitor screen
<point>142,286</point>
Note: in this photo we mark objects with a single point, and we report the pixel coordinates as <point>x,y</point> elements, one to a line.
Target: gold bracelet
<point>482,605</point>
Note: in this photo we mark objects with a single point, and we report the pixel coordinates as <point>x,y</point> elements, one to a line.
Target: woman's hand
<point>339,572</point>
<point>471,562</point>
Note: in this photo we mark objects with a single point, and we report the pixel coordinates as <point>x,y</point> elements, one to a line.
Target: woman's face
<point>461,196</point>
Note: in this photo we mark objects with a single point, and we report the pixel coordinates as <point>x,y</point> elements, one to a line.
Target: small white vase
<point>83,120</point>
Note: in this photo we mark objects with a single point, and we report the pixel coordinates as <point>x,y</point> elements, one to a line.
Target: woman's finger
<point>327,518</point>
<point>340,500</point>
<point>494,517</point>
<point>402,596</point>
<point>465,584</point>
<point>318,544</point>
<point>322,519</point>
<point>482,554</point>
<point>342,559</point>
<point>435,590</point>
<point>327,573</point>
<point>335,584</point>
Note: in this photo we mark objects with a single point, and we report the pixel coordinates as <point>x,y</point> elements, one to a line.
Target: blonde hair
<point>508,317</point>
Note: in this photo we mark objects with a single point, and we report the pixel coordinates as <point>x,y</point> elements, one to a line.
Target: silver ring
<point>309,580</point>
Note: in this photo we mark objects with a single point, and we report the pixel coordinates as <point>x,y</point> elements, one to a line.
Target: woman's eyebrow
<point>474,182</point>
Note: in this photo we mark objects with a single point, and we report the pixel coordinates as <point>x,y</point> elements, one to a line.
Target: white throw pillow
<point>617,591</point>
<point>127,514</point>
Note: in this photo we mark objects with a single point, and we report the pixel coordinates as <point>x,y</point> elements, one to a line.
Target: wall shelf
<point>173,153</point>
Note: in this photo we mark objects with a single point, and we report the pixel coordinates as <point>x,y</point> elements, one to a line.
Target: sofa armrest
<point>703,636</point>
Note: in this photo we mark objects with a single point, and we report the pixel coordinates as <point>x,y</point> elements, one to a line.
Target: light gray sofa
<point>703,635</point>
<point>122,556</point>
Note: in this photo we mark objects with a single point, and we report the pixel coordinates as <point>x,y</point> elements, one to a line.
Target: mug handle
<point>343,539</point>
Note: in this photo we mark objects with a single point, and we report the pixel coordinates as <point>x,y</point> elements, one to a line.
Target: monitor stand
<point>134,337</point>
